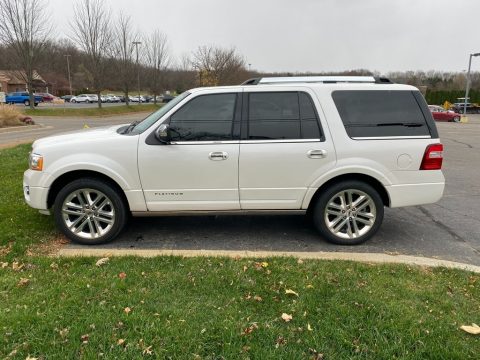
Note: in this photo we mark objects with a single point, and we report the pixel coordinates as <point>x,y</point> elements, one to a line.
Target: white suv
<point>339,148</point>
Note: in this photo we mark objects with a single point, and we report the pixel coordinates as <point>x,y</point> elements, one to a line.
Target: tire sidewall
<point>325,196</point>
<point>109,191</point>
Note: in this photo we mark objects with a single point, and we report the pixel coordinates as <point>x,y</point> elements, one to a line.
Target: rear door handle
<point>317,154</point>
<point>218,155</point>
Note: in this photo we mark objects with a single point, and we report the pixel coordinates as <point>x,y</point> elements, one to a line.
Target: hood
<point>79,137</point>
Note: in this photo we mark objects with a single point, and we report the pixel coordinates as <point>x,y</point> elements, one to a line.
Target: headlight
<point>35,162</point>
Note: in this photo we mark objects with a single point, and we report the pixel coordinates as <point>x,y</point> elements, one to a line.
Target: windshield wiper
<point>131,127</point>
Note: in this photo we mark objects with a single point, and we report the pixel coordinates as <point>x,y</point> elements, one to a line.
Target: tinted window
<point>204,118</point>
<point>282,115</point>
<point>380,113</point>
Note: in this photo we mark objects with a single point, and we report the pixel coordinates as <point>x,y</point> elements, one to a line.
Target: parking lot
<point>447,230</point>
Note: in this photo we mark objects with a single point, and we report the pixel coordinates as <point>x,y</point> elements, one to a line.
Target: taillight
<point>433,157</point>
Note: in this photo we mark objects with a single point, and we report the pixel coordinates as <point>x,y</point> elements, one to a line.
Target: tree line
<point>107,52</point>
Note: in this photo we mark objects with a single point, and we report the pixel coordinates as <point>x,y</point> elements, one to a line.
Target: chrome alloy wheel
<point>350,214</point>
<point>88,213</point>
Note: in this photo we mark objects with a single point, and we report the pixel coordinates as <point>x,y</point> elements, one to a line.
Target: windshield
<point>154,117</point>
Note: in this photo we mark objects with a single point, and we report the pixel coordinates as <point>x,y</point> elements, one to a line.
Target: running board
<point>217,212</point>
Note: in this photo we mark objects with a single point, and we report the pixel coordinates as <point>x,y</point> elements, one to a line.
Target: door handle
<point>218,155</point>
<point>317,154</point>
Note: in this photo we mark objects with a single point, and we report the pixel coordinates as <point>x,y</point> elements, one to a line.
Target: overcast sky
<point>313,35</point>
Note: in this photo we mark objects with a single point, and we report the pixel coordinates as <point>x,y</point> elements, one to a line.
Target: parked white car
<point>341,148</point>
<point>112,98</point>
<point>83,98</point>
<point>137,99</point>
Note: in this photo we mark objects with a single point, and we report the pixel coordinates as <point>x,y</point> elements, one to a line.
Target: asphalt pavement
<point>448,230</point>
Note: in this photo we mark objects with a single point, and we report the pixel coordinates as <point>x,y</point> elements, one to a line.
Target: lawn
<point>104,111</point>
<point>214,308</point>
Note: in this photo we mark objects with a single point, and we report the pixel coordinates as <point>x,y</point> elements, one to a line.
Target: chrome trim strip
<point>392,137</point>
<point>244,141</point>
<point>217,212</point>
<point>279,141</point>
<point>316,79</point>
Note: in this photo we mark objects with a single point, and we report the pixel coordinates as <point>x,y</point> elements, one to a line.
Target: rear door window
<point>282,115</point>
<point>379,113</point>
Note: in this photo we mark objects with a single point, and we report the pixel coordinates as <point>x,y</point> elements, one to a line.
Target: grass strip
<point>104,111</point>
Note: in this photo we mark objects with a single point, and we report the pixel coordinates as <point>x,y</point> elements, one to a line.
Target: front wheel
<point>348,213</point>
<point>27,103</point>
<point>456,119</point>
<point>89,211</point>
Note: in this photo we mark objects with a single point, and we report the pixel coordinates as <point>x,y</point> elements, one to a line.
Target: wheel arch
<point>70,176</point>
<point>370,180</point>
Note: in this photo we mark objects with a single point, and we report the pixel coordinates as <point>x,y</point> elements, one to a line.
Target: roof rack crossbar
<point>317,79</point>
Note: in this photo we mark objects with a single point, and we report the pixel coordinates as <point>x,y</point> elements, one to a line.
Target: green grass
<point>104,111</point>
<point>214,308</point>
<point>191,308</point>
<point>20,226</point>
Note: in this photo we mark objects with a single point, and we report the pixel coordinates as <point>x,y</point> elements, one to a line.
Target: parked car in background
<point>83,98</point>
<point>166,98</point>
<point>122,98</point>
<point>137,99</point>
<point>46,97</point>
<point>111,98</point>
<point>22,98</point>
<point>66,98</point>
<point>148,98</point>
<point>471,108</point>
<point>94,97</point>
<point>104,98</point>
<point>440,114</point>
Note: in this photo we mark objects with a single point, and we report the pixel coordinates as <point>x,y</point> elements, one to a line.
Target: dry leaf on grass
<point>16,266</point>
<point>30,358</point>
<point>3,265</point>
<point>127,310</point>
<point>250,329</point>
<point>23,282</point>
<point>290,292</point>
<point>147,351</point>
<point>309,327</point>
<point>102,261</point>
<point>474,329</point>
<point>122,275</point>
<point>84,338</point>
<point>257,298</point>
<point>286,317</point>
<point>121,341</point>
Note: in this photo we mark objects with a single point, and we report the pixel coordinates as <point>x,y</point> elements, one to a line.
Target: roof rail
<point>317,79</point>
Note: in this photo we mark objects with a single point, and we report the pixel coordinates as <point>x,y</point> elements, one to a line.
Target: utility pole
<point>69,78</point>
<point>136,43</point>
<point>468,82</point>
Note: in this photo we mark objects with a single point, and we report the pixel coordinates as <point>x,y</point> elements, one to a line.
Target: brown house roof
<point>18,76</point>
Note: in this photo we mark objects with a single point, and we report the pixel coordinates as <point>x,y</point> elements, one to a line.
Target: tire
<point>330,211</point>
<point>73,101</point>
<point>456,119</point>
<point>26,103</point>
<point>81,221</point>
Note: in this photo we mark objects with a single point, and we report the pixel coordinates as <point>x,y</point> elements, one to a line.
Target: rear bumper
<point>415,194</point>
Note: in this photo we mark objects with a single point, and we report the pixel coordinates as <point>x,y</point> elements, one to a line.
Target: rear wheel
<point>348,213</point>
<point>456,119</point>
<point>26,102</point>
<point>90,211</point>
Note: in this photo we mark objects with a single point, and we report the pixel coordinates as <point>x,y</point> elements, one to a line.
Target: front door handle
<point>218,155</point>
<point>317,154</point>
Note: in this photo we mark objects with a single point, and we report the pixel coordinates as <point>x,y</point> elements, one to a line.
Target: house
<point>13,80</point>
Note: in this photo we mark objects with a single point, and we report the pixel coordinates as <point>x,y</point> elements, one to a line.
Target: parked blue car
<point>21,98</point>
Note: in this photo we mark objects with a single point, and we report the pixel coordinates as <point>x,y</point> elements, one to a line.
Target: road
<point>447,230</point>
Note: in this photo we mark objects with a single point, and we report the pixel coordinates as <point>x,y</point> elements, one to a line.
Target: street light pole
<point>467,90</point>
<point>69,77</point>
<point>136,43</point>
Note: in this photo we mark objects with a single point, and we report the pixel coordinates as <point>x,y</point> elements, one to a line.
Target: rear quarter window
<point>384,113</point>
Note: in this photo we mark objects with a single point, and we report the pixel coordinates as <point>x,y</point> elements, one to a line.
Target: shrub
<point>10,116</point>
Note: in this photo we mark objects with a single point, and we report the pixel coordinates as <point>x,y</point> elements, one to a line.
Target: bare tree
<point>91,30</point>
<point>23,28</point>
<point>218,66</point>
<point>157,56</point>
<point>124,52</point>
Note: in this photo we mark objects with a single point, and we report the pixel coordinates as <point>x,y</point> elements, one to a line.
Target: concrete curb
<point>320,255</point>
<point>22,128</point>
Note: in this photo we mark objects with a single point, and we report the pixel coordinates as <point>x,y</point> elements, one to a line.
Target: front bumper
<point>35,195</point>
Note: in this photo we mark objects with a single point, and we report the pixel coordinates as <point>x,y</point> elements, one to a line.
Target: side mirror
<point>163,134</point>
